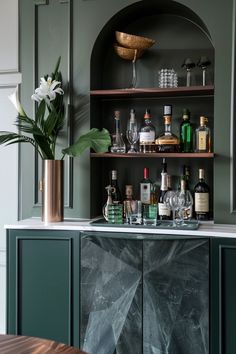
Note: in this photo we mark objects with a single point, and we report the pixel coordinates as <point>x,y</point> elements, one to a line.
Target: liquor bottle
<point>169,186</point>
<point>127,201</point>
<point>155,191</point>
<point>115,192</point>
<point>203,136</point>
<point>147,134</point>
<point>132,133</point>
<point>146,187</point>
<point>187,210</point>
<point>186,176</point>
<point>201,198</point>
<point>164,211</point>
<point>167,142</point>
<point>186,133</point>
<point>118,145</point>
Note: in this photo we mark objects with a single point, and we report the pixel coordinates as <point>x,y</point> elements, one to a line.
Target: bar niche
<point>148,297</point>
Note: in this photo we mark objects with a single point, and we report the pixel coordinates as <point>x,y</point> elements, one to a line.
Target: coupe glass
<point>132,134</point>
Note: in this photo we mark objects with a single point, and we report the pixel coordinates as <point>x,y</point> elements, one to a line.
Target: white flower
<point>47,89</point>
<point>14,98</point>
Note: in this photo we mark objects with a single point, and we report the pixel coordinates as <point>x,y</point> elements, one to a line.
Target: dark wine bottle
<point>201,198</point>
<point>115,192</point>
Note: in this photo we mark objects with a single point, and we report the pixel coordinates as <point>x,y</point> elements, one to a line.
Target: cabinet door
<point>223,295</point>
<point>176,296</point>
<point>111,295</point>
<point>144,296</point>
<point>42,284</point>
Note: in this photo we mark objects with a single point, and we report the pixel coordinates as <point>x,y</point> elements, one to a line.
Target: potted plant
<point>42,133</point>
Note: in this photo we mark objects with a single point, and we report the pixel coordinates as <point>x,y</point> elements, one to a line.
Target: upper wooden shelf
<point>155,92</point>
<point>156,155</point>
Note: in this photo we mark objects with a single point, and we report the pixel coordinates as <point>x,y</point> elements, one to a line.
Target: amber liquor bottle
<point>203,136</point>
<point>147,134</point>
<point>167,142</point>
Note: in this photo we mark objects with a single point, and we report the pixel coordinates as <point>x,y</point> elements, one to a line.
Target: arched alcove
<point>178,32</point>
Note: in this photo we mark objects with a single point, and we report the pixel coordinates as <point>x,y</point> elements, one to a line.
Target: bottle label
<point>146,137</point>
<point>201,202</point>
<point>145,193</point>
<point>167,141</point>
<point>163,209</point>
<point>202,140</point>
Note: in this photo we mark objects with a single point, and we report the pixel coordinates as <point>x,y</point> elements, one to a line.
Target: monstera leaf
<point>98,140</point>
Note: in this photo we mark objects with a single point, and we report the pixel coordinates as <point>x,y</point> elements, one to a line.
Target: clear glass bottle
<point>118,145</point>
<point>203,136</point>
<point>186,132</point>
<point>146,187</point>
<point>132,132</point>
<point>167,142</point>
<point>115,191</point>
<point>147,134</point>
<point>164,212</point>
<point>201,198</point>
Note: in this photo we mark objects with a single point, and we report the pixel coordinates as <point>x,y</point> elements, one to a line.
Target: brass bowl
<point>127,53</point>
<point>133,41</point>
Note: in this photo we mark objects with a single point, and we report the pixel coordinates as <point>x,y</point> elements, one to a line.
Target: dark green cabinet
<point>60,284</point>
<point>43,282</point>
<point>223,295</point>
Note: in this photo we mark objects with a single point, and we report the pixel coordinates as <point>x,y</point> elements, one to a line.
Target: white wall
<point>9,79</point>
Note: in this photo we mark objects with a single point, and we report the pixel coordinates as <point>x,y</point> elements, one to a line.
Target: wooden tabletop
<point>10,344</point>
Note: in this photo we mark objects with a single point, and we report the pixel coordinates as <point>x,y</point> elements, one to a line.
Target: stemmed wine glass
<point>132,132</point>
<point>185,201</point>
<point>172,202</point>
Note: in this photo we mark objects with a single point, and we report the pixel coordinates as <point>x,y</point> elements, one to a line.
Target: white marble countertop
<point>205,229</point>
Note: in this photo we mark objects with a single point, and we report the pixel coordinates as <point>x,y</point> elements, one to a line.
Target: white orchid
<point>42,130</point>
<point>14,98</point>
<point>47,89</point>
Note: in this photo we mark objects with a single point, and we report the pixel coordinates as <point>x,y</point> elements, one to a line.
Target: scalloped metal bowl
<point>132,41</point>
<point>127,53</point>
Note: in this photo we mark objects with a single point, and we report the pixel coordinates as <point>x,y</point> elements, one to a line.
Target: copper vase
<point>53,191</point>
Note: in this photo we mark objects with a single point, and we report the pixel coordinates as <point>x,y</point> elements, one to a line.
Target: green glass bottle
<point>186,133</point>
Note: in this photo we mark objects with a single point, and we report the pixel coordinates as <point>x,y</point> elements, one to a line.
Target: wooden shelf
<point>155,92</point>
<point>154,155</point>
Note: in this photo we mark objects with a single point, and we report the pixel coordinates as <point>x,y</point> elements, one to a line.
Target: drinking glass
<point>132,134</point>
<point>134,212</point>
<point>115,214</point>
<point>172,202</point>
<point>185,201</point>
<point>150,214</point>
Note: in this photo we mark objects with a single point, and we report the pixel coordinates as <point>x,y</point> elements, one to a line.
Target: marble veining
<point>146,297</point>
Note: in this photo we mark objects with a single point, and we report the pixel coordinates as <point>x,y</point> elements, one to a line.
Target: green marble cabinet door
<point>144,296</point>
<point>223,295</point>
<point>42,283</point>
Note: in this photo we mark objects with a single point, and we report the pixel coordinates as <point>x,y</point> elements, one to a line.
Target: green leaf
<point>98,140</point>
<point>39,116</point>
<point>9,138</point>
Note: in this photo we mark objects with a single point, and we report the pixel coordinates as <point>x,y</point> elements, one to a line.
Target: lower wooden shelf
<point>155,155</point>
